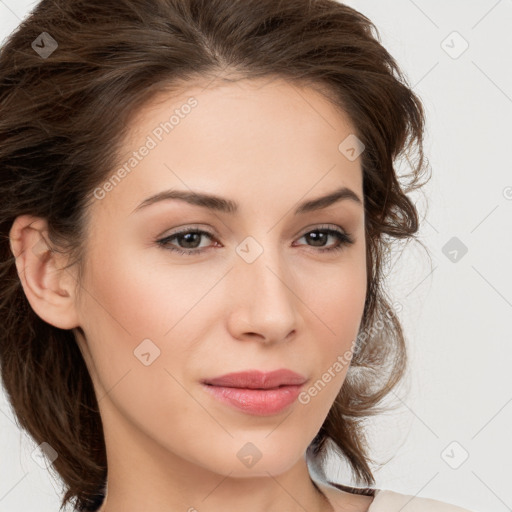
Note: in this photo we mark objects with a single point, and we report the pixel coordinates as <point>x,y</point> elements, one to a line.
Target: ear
<point>49,288</point>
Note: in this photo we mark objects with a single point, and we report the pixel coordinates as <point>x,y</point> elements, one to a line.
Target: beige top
<point>390,501</point>
<point>343,497</point>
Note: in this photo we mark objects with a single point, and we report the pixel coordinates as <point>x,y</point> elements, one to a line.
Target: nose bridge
<point>264,288</point>
<point>262,264</point>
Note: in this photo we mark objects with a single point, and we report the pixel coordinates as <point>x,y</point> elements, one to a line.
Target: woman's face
<point>257,291</point>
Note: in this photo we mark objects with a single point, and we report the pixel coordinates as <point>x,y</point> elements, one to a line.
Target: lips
<point>255,379</point>
<point>255,392</point>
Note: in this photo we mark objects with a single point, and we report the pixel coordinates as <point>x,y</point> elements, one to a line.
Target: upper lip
<point>255,379</point>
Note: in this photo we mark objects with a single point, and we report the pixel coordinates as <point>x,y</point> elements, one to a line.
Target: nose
<point>263,305</point>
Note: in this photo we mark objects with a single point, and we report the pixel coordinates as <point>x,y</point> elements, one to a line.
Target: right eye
<point>190,236</point>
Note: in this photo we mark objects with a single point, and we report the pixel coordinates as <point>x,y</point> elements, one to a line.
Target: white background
<point>457,315</point>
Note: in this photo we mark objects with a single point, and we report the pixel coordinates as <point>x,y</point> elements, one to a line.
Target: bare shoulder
<point>343,501</point>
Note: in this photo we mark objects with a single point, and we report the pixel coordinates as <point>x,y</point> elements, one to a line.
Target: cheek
<point>131,299</point>
<point>338,306</point>
<point>140,297</point>
<point>335,298</point>
<point>133,310</point>
<point>335,294</point>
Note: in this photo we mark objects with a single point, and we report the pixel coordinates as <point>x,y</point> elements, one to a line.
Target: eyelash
<point>345,239</point>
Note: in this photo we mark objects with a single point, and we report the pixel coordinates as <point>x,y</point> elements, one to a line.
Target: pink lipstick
<point>256,392</point>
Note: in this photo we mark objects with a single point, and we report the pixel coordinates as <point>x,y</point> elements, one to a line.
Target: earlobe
<point>48,287</point>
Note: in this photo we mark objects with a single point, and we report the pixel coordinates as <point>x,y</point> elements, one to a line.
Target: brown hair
<point>63,119</point>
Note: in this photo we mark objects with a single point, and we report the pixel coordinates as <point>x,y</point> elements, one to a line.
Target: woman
<point>200,196</point>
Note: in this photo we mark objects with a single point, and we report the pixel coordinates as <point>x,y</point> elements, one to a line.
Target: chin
<point>261,457</point>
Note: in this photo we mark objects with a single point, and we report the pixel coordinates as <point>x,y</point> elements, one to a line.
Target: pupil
<point>187,239</point>
<point>317,238</point>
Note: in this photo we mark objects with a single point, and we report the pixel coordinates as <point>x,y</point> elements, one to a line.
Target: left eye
<point>191,237</point>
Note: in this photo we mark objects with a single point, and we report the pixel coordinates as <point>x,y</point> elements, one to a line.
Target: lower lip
<point>261,402</point>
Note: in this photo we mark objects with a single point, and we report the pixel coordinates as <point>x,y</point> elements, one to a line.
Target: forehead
<point>273,102</point>
<point>247,137</point>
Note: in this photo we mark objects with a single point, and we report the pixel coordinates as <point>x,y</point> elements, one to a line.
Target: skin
<point>170,446</point>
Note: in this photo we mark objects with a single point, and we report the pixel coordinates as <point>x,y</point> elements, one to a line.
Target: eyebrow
<point>220,204</point>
